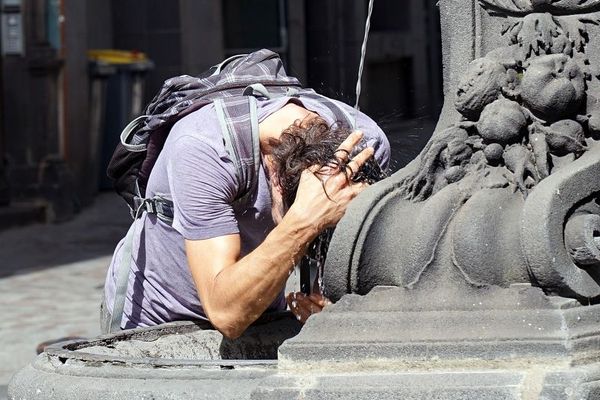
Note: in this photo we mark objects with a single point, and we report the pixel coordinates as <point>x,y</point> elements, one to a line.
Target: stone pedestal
<point>491,343</point>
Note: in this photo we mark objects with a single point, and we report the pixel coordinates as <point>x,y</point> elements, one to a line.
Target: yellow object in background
<point>112,56</point>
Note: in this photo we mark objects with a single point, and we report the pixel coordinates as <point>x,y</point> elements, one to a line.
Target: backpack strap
<point>257,90</point>
<point>157,205</point>
<point>238,117</point>
<point>128,135</point>
<point>123,269</point>
<point>219,67</point>
<point>163,208</point>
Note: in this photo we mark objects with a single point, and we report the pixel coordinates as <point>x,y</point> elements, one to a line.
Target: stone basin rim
<point>75,349</point>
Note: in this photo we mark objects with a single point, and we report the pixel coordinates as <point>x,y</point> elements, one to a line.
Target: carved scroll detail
<point>522,7</point>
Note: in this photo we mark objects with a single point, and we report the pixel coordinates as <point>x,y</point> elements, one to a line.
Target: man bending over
<point>227,262</point>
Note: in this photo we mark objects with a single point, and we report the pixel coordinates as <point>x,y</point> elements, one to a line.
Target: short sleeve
<point>373,135</point>
<point>203,187</point>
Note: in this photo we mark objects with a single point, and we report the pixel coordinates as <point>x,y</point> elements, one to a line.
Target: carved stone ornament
<point>529,6</point>
<point>513,162</point>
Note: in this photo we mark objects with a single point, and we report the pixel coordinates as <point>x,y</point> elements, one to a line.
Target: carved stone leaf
<point>568,5</point>
<point>544,33</point>
<point>577,32</point>
<point>534,33</point>
<point>508,5</point>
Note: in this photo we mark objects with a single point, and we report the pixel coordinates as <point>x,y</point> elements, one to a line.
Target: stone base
<point>438,384</point>
<point>43,381</point>
<point>497,343</point>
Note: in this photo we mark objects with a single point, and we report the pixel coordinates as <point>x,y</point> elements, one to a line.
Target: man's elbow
<point>228,325</point>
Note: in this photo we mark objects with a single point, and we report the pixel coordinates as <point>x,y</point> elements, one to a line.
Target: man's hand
<point>324,194</point>
<point>303,306</point>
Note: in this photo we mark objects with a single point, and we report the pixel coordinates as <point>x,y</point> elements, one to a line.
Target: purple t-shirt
<point>195,171</point>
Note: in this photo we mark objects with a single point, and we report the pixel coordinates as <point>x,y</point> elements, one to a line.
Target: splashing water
<point>315,260</point>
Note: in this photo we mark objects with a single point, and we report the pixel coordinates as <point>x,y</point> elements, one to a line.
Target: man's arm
<point>235,292</point>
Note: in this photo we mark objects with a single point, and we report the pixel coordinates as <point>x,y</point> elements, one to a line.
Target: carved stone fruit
<point>593,110</point>
<point>553,87</point>
<point>481,85</point>
<point>456,152</point>
<point>502,122</point>
<point>565,137</point>
<point>454,174</point>
<point>493,153</point>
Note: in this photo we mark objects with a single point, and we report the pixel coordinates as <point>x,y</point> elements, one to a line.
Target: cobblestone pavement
<point>51,279</point>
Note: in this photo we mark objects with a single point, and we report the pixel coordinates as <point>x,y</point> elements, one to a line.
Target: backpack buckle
<point>150,206</point>
<point>158,206</point>
<point>140,204</point>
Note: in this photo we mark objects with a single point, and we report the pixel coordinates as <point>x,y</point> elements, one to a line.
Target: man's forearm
<point>241,292</point>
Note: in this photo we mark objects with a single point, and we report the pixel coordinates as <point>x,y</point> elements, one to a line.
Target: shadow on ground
<point>91,234</point>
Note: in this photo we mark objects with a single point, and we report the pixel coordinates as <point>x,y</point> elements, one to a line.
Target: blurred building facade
<point>51,151</point>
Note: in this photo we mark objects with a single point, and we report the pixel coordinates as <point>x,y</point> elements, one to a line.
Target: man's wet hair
<point>313,142</point>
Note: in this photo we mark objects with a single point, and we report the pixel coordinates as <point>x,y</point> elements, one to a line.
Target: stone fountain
<point>473,273</point>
